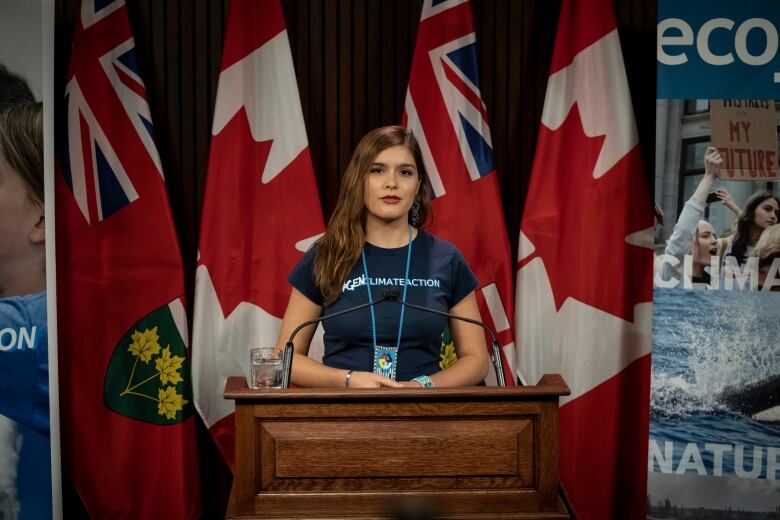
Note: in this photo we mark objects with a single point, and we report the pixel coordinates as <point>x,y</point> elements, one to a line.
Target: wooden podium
<point>466,453</point>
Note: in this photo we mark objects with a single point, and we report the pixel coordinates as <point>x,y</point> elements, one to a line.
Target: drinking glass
<point>266,368</point>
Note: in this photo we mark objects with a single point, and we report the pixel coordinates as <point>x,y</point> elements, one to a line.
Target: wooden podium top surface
<point>549,386</point>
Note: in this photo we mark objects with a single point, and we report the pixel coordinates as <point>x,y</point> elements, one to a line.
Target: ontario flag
<point>261,210</point>
<point>128,430</point>
<point>584,283</point>
<point>445,112</point>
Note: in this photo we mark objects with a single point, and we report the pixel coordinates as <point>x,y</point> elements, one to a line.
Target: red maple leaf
<point>250,229</point>
<point>578,224</point>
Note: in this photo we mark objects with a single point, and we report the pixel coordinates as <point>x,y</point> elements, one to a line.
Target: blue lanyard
<point>370,299</point>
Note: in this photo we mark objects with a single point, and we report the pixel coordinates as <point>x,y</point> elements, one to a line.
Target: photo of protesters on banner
<point>715,409</point>
<point>717,193</point>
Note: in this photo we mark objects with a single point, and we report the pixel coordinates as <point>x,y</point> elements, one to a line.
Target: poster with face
<point>25,426</point>
<point>714,444</point>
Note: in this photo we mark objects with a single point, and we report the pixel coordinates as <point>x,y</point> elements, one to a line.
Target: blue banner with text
<point>719,49</point>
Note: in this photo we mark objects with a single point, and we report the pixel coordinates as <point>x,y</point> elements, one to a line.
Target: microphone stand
<point>498,364</point>
<point>289,347</point>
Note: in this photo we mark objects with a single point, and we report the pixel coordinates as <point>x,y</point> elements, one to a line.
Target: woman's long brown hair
<point>745,221</point>
<point>339,249</point>
<point>21,143</point>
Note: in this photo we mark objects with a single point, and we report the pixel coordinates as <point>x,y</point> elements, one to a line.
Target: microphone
<point>289,347</point>
<point>391,294</point>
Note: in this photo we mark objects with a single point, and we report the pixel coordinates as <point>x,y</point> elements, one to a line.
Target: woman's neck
<point>20,278</point>
<point>388,234</point>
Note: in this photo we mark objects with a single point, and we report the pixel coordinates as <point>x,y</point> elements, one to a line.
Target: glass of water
<point>266,368</point>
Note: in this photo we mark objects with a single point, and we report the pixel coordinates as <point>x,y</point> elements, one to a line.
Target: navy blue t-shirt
<point>439,278</point>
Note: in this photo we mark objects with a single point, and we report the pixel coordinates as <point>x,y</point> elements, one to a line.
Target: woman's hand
<point>712,162</point>
<point>725,197</point>
<point>371,380</point>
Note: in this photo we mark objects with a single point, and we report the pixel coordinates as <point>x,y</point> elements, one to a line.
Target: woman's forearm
<point>468,370</point>
<point>309,373</point>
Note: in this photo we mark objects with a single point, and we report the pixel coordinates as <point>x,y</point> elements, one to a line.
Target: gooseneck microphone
<point>289,347</point>
<point>391,294</point>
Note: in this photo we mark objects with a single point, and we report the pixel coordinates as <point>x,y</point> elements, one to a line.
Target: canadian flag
<point>261,209</point>
<point>584,282</point>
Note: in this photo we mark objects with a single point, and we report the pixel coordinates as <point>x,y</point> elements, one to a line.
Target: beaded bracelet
<point>425,381</point>
<point>346,380</point>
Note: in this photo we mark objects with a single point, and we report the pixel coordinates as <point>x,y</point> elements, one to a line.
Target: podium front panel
<point>370,451</point>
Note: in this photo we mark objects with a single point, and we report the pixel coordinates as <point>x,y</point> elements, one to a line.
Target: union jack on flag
<point>444,110</point>
<point>90,165</point>
<point>454,67</point>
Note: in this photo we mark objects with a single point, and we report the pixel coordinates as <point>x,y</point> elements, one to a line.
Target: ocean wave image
<point>715,396</point>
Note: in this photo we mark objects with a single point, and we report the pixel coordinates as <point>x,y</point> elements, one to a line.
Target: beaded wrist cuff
<point>424,381</point>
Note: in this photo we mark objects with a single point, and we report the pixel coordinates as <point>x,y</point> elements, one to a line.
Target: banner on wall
<point>714,441</point>
<point>720,49</point>
<point>26,455</point>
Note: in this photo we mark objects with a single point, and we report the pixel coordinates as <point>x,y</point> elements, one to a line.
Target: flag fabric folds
<point>128,431</point>
<point>261,210</point>
<point>584,282</point>
<point>445,112</point>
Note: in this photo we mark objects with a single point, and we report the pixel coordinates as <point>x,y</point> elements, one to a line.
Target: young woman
<point>374,243</point>
<point>24,382</point>
<point>691,234</point>
<point>23,371</point>
<point>762,210</point>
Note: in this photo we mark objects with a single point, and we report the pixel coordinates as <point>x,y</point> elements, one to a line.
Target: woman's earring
<point>415,214</point>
